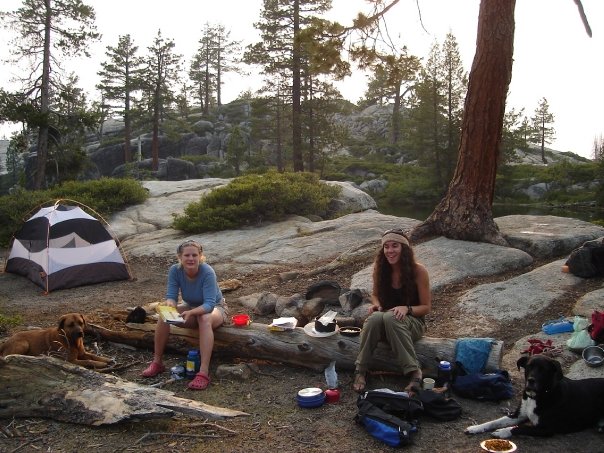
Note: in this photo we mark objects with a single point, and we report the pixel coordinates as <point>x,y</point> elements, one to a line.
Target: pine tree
<point>120,78</point>
<point>47,31</point>
<point>281,53</point>
<point>542,126</point>
<point>160,76</point>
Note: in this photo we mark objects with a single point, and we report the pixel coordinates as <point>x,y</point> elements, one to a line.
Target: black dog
<point>551,403</point>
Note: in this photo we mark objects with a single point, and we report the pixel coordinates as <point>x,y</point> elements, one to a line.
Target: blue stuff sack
<point>494,386</point>
<point>384,427</point>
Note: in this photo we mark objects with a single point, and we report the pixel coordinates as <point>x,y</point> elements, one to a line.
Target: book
<point>281,324</point>
<point>169,314</point>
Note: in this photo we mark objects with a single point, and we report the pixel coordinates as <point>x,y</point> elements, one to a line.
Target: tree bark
<point>292,347</point>
<point>51,388</point>
<point>465,212</point>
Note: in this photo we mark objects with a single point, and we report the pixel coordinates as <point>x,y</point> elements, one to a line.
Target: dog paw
<point>472,430</point>
<point>502,433</point>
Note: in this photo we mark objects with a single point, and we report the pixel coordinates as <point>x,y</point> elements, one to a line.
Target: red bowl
<point>241,320</point>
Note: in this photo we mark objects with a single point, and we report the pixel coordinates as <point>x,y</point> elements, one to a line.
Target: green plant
<point>252,199</point>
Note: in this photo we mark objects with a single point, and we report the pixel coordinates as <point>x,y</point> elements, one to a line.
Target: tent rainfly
<point>62,247</point>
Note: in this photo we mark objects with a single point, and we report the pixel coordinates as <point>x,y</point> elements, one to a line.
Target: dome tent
<point>62,247</point>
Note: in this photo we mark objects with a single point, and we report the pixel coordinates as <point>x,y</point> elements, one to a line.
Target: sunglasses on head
<point>395,231</point>
<point>186,244</point>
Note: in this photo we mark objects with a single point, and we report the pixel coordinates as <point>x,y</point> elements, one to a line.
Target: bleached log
<point>297,348</point>
<point>51,388</point>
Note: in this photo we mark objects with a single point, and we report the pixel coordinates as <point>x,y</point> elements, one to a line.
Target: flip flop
<point>199,382</point>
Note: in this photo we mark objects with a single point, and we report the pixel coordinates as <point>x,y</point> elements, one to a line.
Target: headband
<point>395,238</point>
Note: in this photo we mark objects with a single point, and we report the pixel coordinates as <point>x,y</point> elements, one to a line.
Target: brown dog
<point>67,339</point>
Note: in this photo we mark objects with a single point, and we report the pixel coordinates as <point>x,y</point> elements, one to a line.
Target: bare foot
<point>415,382</point>
<point>360,382</point>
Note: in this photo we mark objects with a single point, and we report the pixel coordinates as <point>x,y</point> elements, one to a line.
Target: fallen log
<point>297,348</point>
<point>51,388</point>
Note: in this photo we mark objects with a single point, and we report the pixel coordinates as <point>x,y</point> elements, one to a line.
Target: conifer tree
<point>160,77</point>
<point>48,30</point>
<point>543,131</point>
<point>120,79</point>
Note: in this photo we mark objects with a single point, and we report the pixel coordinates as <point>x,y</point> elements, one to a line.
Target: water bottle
<point>444,374</point>
<point>193,363</point>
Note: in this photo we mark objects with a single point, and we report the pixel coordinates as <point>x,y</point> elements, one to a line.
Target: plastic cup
<point>428,383</point>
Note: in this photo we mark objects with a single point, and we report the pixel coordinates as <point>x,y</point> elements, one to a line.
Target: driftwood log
<point>51,388</point>
<point>293,347</point>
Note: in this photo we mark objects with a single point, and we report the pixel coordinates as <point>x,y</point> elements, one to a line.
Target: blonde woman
<point>202,307</point>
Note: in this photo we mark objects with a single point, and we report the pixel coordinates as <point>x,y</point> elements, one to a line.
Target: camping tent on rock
<point>62,246</point>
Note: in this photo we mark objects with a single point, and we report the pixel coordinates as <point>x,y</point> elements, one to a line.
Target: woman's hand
<point>374,308</point>
<point>400,311</point>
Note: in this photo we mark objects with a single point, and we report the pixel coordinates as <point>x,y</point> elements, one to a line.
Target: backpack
<point>438,406</point>
<point>596,328</point>
<point>494,386</point>
<point>383,426</point>
<point>389,416</point>
<point>588,260</point>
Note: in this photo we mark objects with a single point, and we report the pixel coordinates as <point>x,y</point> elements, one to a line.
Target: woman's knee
<point>374,320</point>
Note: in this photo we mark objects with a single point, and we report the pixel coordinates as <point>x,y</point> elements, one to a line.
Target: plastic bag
<point>580,338</point>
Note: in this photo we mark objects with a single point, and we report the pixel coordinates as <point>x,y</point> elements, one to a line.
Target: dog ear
<point>83,321</point>
<point>521,363</point>
<point>62,320</point>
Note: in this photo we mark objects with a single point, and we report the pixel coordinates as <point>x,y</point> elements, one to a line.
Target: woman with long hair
<point>401,298</point>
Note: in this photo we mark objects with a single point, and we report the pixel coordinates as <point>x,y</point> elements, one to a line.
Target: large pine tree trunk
<point>466,210</point>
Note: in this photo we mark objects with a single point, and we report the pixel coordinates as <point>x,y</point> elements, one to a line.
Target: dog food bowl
<point>310,397</point>
<point>322,328</point>
<point>593,356</point>
<point>350,331</point>
<point>241,320</point>
<point>498,446</point>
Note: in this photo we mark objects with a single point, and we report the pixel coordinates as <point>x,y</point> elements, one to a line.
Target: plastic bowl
<point>310,397</point>
<point>593,356</point>
<point>350,331</point>
<point>240,320</point>
<point>322,328</point>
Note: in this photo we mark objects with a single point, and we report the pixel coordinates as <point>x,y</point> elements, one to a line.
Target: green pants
<point>399,334</point>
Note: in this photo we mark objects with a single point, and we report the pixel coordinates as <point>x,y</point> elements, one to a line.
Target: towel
<point>473,353</point>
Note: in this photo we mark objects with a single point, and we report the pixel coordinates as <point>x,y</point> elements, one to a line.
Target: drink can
<point>177,372</point>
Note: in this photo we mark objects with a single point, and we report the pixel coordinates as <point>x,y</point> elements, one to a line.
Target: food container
<point>325,328</point>
<point>350,331</point>
<point>241,320</point>
<point>332,395</point>
<point>593,356</point>
<point>310,397</point>
<point>498,445</point>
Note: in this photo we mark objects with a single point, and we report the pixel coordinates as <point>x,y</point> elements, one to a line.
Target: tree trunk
<point>296,94</point>
<point>291,347</point>
<point>465,212</point>
<point>52,388</point>
<point>42,149</point>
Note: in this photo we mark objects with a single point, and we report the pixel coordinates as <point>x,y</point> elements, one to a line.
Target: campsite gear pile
<point>393,417</point>
<point>537,346</point>
<point>62,246</point>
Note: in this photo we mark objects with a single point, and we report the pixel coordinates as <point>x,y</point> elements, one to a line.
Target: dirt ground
<point>275,422</point>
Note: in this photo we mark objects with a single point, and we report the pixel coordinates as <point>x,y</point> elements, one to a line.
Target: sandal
<point>199,382</point>
<point>360,382</point>
<point>154,369</point>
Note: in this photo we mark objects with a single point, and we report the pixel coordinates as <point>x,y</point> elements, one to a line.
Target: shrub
<point>105,196</point>
<point>255,198</point>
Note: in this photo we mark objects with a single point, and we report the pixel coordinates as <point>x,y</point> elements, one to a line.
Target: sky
<point>553,56</point>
